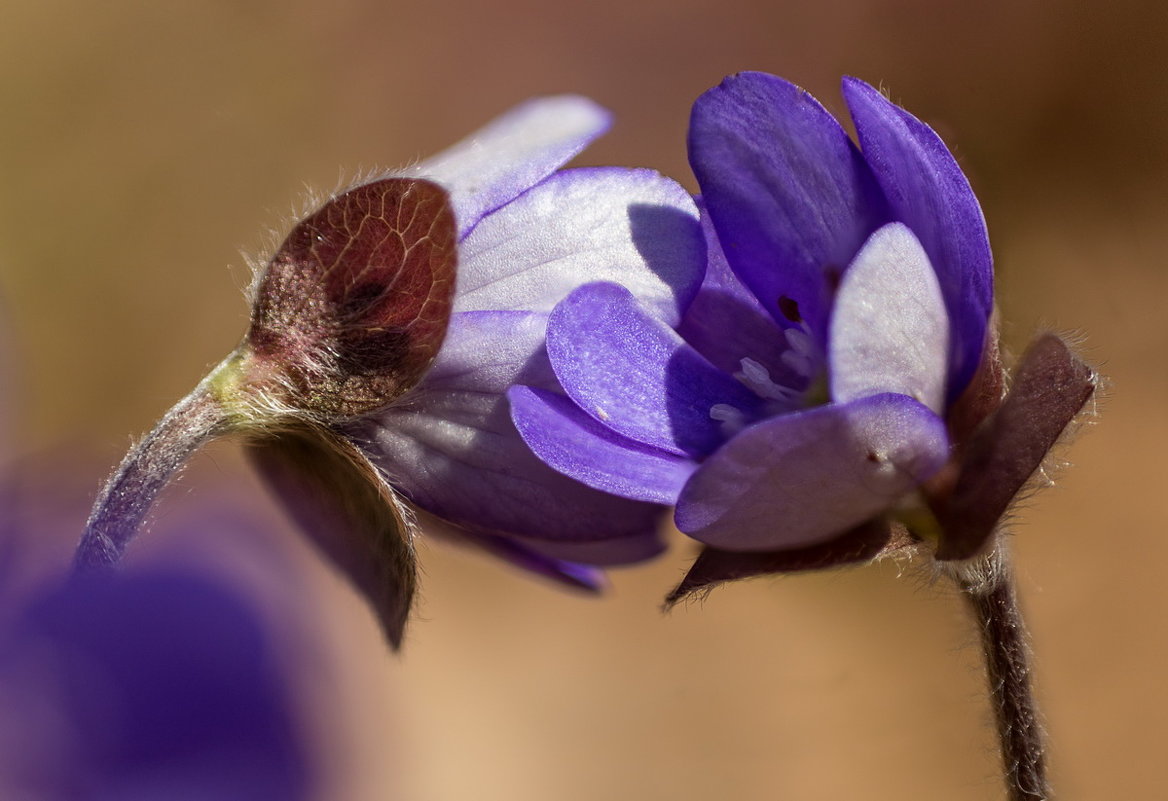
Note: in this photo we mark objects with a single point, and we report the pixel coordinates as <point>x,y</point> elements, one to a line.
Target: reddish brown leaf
<point>1050,387</point>
<point>353,308</point>
<point>346,508</point>
<point>714,566</point>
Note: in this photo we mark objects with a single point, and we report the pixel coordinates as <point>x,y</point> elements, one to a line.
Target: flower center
<point>803,358</point>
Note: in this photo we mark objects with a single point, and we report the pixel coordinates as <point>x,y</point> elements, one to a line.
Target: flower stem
<point>129,493</point>
<point>988,586</point>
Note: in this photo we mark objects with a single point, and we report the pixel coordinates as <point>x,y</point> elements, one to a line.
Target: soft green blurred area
<point>143,144</point>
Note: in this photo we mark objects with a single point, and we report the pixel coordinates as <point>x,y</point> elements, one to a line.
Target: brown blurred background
<point>143,144</point>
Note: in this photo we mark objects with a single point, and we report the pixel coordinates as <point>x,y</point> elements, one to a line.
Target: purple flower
<point>155,683</point>
<point>807,389</point>
<point>528,236</point>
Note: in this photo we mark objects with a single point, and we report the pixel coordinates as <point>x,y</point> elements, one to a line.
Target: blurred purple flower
<point>845,310</point>
<point>528,236</point>
<point>154,683</point>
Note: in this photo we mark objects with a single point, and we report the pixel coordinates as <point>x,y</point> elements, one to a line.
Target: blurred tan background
<point>142,145</point>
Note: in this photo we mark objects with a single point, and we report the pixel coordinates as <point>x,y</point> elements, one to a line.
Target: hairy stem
<point>988,586</point>
<point>129,493</point>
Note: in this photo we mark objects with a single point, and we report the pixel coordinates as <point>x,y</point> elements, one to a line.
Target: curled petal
<point>889,328</point>
<point>790,196</point>
<point>927,190</point>
<point>513,153</point>
<point>634,374</point>
<point>801,479</point>
<point>633,227</point>
<point>570,441</point>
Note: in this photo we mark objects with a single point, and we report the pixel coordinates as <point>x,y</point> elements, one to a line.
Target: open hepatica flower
<point>834,392</point>
<point>833,365</point>
<point>385,331</point>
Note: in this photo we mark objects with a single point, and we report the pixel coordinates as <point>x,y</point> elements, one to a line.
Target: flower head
<point>819,379</point>
<point>384,333</point>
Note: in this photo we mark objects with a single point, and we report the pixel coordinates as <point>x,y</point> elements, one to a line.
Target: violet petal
<point>801,479</point>
<point>567,439</point>
<point>790,196</point>
<point>633,227</point>
<point>889,328</point>
<point>927,190</point>
<point>630,371</point>
<point>513,153</point>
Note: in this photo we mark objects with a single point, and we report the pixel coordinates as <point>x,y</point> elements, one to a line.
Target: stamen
<point>758,379</point>
<point>731,418</point>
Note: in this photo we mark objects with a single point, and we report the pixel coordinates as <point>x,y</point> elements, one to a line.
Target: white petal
<point>889,328</point>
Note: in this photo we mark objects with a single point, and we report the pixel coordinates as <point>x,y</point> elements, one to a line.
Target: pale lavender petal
<point>889,328</point>
<point>567,439</point>
<point>489,352</point>
<point>801,479</point>
<point>513,153</point>
<point>928,192</point>
<point>726,323</point>
<point>790,196</point>
<point>633,227</point>
<point>450,446</point>
<point>633,373</point>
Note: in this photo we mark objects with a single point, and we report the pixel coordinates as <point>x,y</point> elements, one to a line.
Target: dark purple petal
<point>570,574</point>
<point>567,439</point>
<point>513,153</point>
<point>889,329</point>
<point>927,191</point>
<point>630,371</point>
<point>714,566</point>
<point>1050,387</point>
<point>726,323</point>
<point>790,196</point>
<point>801,479</point>
<point>613,552</point>
<point>451,448</point>
<point>633,227</point>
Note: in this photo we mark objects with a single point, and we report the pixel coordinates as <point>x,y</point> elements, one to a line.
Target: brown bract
<point>353,307</point>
